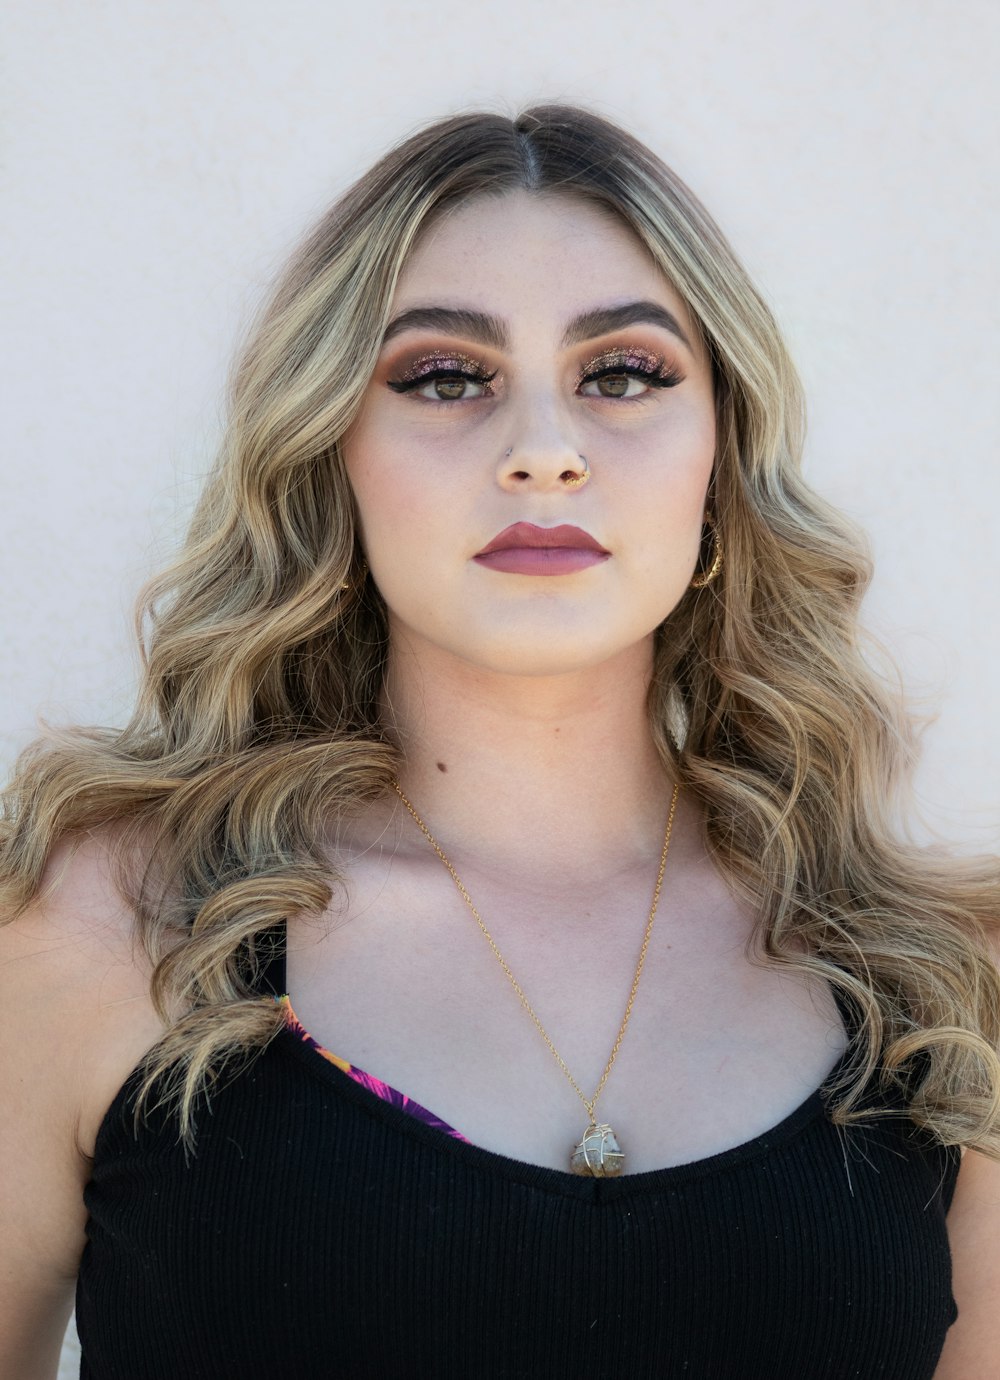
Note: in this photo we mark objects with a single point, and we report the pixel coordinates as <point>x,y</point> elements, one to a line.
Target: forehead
<point>526,252</point>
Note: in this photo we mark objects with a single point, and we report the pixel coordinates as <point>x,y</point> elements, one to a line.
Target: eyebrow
<point>492,330</point>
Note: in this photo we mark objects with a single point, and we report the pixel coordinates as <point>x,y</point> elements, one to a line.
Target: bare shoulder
<point>75,1018</point>
<point>75,1004</point>
<point>973,1342</point>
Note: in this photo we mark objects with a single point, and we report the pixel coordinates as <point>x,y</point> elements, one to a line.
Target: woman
<point>529,981</point>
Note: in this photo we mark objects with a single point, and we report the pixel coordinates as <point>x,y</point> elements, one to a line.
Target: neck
<point>518,771</point>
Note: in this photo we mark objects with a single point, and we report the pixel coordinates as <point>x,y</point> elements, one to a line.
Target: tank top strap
<point>848,1012</point>
<point>272,945</point>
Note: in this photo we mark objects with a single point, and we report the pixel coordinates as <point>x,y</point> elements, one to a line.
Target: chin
<point>550,655</point>
<point>510,642</point>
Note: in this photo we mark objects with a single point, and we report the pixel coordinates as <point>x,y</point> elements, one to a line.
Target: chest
<point>402,983</point>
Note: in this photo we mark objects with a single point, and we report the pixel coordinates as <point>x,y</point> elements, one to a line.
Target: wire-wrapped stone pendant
<point>599,1153</point>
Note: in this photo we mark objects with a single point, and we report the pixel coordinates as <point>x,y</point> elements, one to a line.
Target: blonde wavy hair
<point>258,719</point>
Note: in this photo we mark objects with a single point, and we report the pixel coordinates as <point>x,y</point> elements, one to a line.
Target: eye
<point>451,386</point>
<point>616,385</point>
<point>615,373</point>
<point>451,380</point>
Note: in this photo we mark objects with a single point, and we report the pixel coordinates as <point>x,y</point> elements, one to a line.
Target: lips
<point>524,549</point>
<point>525,536</point>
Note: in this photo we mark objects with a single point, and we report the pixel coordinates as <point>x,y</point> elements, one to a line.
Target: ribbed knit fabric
<point>322,1233</point>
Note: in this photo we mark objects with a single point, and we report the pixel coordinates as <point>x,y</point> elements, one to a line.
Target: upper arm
<point>972,1346</point>
<point>74,1017</point>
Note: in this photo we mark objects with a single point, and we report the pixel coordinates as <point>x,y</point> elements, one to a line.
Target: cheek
<point>695,474</point>
<point>668,504</point>
<point>677,469</point>
<point>374,477</point>
<point>399,500</point>
<point>696,435</point>
<point>373,495</point>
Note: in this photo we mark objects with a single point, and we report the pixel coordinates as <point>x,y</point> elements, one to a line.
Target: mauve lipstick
<point>525,549</point>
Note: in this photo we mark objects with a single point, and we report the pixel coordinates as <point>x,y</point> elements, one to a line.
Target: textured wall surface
<point>159,162</point>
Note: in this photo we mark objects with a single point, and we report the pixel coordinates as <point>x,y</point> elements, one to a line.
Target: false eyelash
<point>417,381</point>
<point>656,378</point>
<point>656,375</point>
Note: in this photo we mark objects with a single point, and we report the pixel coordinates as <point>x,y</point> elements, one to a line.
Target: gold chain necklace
<point>599,1152</point>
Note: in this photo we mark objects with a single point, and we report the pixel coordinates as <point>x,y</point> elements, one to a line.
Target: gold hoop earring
<point>707,576</point>
<point>357,581</point>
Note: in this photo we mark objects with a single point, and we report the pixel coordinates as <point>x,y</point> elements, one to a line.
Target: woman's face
<point>532,321</point>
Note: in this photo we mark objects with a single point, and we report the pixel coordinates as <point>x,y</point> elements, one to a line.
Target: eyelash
<point>658,376</point>
<point>407,385</point>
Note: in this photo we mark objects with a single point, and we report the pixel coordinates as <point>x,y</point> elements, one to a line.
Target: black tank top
<point>320,1232</point>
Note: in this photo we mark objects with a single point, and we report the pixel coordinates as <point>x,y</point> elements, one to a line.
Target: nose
<point>542,467</point>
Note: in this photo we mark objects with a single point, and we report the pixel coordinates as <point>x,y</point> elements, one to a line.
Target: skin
<point>520,705</point>
<point>519,685</point>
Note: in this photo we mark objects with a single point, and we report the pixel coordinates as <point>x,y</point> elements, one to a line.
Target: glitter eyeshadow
<point>451,360</point>
<point>625,359</point>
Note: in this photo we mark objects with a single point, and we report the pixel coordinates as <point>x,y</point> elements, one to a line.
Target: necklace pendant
<point>599,1153</point>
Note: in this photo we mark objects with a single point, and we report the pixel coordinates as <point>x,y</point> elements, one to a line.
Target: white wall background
<point>159,161</point>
